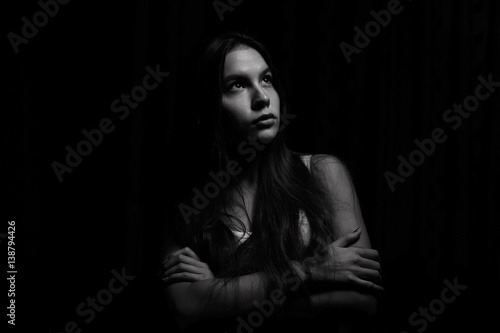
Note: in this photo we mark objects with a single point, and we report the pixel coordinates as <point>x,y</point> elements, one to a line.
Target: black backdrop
<point>109,212</point>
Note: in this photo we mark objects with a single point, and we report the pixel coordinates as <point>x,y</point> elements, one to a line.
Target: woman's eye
<point>236,86</point>
<point>268,79</point>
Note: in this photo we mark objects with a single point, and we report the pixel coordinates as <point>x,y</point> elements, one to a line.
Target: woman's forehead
<point>244,61</point>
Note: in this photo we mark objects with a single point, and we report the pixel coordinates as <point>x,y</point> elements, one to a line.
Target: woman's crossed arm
<point>194,294</point>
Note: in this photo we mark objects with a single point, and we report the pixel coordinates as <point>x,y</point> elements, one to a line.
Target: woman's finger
<point>369,275</point>
<point>348,239</point>
<point>184,255</point>
<point>171,262</point>
<point>182,258</point>
<point>369,263</point>
<point>367,284</point>
<point>182,267</point>
<point>367,253</point>
<point>188,252</point>
<point>183,277</point>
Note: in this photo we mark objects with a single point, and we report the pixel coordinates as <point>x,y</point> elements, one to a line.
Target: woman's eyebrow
<point>267,70</point>
<point>230,77</point>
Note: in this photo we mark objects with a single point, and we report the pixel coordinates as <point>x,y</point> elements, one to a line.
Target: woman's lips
<point>265,122</point>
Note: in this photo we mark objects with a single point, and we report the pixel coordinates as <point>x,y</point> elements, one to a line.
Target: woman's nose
<point>260,100</point>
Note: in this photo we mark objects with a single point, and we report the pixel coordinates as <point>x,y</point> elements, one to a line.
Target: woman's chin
<point>267,136</point>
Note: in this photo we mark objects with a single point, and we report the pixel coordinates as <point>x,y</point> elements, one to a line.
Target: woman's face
<point>249,96</point>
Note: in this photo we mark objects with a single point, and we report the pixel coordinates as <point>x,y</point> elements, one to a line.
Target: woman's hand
<point>347,264</point>
<point>185,266</point>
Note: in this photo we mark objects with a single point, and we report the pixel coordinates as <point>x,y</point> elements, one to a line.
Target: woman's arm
<point>334,176</point>
<point>190,301</point>
<point>194,295</point>
<point>190,281</point>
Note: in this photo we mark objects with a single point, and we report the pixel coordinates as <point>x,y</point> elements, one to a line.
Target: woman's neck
<point>249,177</point>
<point>246,184</point>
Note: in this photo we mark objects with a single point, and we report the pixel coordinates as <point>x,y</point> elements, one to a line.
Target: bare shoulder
<point>325,160</point>
<point>335,177</point>
<point>331,171</point>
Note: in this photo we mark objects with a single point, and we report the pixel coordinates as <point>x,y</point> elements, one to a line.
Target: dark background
<point>441,223</point>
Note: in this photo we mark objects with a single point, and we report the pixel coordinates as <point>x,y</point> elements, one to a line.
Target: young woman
<point>264,234</point>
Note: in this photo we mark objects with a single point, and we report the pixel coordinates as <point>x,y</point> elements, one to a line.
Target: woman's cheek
<point>239,123</point>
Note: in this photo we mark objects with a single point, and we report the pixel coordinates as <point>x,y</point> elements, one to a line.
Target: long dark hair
<point>284,188</point>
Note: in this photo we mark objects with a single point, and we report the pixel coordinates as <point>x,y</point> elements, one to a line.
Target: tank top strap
<point>306,159</point>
